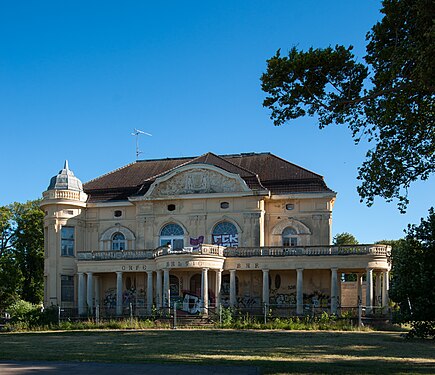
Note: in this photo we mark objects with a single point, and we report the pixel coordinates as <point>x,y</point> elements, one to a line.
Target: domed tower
<point>64,202</point>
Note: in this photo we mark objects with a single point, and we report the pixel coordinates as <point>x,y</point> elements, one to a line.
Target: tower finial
<point>66,165</point>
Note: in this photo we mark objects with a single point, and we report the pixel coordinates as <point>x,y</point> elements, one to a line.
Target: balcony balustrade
<point>237,252</point>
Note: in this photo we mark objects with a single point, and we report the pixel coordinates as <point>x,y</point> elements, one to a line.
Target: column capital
<point>89,273</point>
<point>149,272</point>
<point>334,268</point>
<point>119,272</point>
<point>232,271</point>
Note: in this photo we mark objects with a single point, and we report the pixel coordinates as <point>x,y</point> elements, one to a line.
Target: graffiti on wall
<point>227,240</point>
<point>196,242</point>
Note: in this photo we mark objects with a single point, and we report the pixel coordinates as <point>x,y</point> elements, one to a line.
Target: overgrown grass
<point>272,351</point>
<point>310,323</point>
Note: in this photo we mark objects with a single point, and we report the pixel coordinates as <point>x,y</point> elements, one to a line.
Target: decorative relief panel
<point>198,181</point>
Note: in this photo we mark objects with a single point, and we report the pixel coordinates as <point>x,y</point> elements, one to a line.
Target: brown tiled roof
<point>259,170</point>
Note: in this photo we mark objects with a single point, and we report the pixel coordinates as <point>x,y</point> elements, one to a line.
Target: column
<point>97,290</point>
<point>334,290</point>
<point>166,293</point>
<point>369,291</point>
<point>90,292</point>
<point>218,287</point>
<point>119,293</point>
<point>359,278</point>
<point>81,294</point>
<point>159,289</point>
<point>266,286</point>
<point>378,289</point>
<point>299,291</point>
<point>385,288</point>
<point>149,292</point>
<point>232,288</point>
<point>204,290</point>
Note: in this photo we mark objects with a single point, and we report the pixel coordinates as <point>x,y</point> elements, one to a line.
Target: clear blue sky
<point>76,78</point>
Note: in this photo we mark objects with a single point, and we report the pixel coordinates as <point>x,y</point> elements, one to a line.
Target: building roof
<point>259,170</point>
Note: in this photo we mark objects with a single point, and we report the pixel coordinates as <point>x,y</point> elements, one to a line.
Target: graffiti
<point>196,242</point>
<point>226,239</point>
<point>191,304</point>
<point>129,296</point>
<point>110,298</point>
<point>283,299</point>
<point>317,299</point>
<point>247,302</point>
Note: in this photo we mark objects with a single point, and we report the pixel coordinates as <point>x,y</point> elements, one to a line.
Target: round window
<point>289,206</point>
<point>171,207</point>
<point>117,213</point>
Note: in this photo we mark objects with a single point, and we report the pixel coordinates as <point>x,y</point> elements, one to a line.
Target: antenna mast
<point>136,133</point>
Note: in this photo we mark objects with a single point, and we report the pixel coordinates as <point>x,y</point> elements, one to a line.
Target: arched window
<point>289,237</point>
<point>172,234</point>
<point>118,241</point>
<point>225,234</point>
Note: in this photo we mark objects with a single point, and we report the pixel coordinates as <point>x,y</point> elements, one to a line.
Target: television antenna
<point>136,133</point>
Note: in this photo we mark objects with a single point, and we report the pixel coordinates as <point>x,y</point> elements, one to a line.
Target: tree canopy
<point>413,280</point>
<point>345,238</point>
<point>21,252</point>
<point>388,99</point>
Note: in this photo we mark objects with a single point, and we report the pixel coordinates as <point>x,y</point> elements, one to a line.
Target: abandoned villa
<point>241,230</point>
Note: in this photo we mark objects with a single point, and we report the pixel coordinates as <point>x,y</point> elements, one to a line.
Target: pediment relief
<point>197,180</point>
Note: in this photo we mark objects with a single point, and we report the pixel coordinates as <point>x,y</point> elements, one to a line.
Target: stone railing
<point>279,251</point>
<point>64,194</point>
<point>237,252</point>
<point>115,255</point>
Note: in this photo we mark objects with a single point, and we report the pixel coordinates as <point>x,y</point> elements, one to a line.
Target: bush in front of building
<point>26,316</point>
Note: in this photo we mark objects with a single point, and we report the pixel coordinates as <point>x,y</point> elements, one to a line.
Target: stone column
<point>166,296</point>
<point>359,278</point>
<point>232,288</point>
<point>378,289</point>
<point>218,287</point>
<point>81,294</point>
<point>204,290</point>
<point>334,290</point>
<point>118,293</point>
<point>149,292</point>
<point>299,291</point>
<point>159,289</point>
<point>385,288</point>
<point>266,287</point>
<point>97,290</point>
<point>369,291</point>
<point>90,292</point>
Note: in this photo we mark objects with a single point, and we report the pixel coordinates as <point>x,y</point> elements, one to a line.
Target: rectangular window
<point>67,241</point>
<point>67,288</point>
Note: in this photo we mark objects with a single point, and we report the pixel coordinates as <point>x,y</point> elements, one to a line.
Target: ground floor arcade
<point>195,290</point>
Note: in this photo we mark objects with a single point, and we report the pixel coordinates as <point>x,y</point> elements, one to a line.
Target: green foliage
<point>389,100</point>
<point>413,279</point>
<point>344,238</point>
<point>21,253</point>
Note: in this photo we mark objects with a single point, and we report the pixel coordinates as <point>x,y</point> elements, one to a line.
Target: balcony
<point>237,252</point>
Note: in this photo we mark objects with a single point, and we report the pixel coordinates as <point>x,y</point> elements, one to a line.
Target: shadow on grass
<point>271,351</point>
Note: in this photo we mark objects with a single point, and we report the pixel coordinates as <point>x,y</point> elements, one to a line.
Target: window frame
<point>67,243</point>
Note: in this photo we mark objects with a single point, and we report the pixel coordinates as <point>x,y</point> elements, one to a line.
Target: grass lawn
<point>272,351</point>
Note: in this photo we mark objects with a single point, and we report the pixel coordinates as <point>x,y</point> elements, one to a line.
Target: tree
<point>21,252</point>
<point>388,100</point>
<point>413,280</point>
<point>344,238</point>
